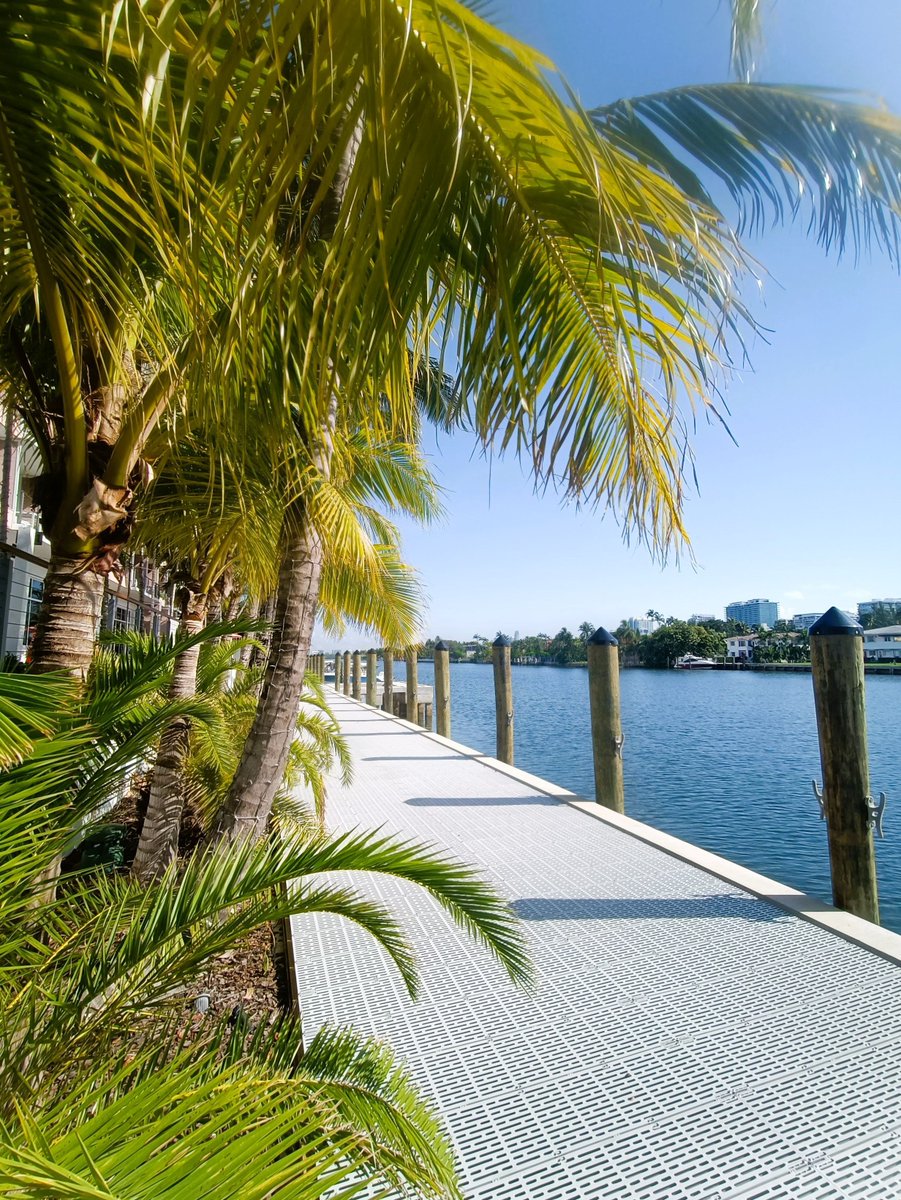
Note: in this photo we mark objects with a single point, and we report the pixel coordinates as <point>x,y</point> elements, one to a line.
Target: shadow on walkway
<point>744,908</point>
<point>479,801</point>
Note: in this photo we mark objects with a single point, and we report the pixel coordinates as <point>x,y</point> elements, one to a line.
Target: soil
<point>249,982</point>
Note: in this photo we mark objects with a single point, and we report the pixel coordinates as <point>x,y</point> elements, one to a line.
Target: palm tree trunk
<point>159,834</point>
<point>266,612</point>
<point>69,618</point>
<point>269,742</point>
<point>244,656</point>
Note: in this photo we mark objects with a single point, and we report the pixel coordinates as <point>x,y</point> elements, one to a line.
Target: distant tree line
<point>672,640</point>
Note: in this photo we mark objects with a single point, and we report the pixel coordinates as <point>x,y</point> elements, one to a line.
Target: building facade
<point>882,645</point>
<point>867,607</point>
<point>134,599</point>
<point>753,612</point>
<point>803,621</point>
<point>643,625</point>
<point>741,646</point>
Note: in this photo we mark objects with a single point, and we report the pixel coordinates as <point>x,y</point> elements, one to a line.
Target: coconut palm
<point>590,285</point>
<point>587,284</point>
<point>101,1085</point>
<point>199,513</point>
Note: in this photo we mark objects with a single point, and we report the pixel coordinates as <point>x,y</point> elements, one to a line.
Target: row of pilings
<point>839,697</point>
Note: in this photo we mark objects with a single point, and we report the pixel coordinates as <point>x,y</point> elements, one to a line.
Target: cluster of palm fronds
<point>105,1089</point>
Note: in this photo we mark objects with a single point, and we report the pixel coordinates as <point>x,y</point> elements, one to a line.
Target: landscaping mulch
<point>248,983</point>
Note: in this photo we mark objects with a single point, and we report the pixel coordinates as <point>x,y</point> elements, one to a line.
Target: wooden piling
<point>503,698</point>
<point>606,728</point>
<point>337,671</point>
<point>346,672</point>
<point>412,684</point>
<point>372,668</point>
<point>358,683</point>
<point>388,669</point>
<point>442,690</point>
<point>836,656</point>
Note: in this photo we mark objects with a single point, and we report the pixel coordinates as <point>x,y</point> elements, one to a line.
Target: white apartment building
<point>803,621</point>
<point>643,625</point>
<point>865,607</point>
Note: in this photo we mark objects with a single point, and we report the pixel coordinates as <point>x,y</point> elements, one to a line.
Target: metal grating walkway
<point>688,1040</point>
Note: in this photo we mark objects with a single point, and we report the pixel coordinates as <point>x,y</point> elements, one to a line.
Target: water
<point>721,759</point>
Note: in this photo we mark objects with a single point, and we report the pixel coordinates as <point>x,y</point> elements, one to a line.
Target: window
<point>32,607</point>
<point>120,618</point>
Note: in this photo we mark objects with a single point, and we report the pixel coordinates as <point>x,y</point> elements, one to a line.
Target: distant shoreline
<point>784,668</point>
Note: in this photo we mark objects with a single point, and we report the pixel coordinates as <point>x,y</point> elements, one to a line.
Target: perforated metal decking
<point>688,1040</point>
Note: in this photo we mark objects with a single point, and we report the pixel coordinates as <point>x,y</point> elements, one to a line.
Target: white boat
<point>691,662</point>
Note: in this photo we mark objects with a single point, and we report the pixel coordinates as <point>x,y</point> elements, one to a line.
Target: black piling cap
<point>601,637</point>
<point>500,640</point>
<point>835,622</point>
<point>440,645</point>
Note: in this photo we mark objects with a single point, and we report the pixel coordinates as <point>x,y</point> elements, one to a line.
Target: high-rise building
<point>803,621</point>
<point>643,624</point>
<point>753,612</point>
<point>869,606</point>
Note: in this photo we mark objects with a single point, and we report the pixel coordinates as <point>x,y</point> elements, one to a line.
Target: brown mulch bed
<point>249,982</point>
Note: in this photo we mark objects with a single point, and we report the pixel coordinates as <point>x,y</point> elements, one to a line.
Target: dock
<point>698,1032</point>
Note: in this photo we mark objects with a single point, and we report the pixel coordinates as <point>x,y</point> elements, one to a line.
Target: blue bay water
<point>722,759</point>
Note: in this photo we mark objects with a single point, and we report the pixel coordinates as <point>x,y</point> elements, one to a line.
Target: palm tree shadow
<point>478,801</point>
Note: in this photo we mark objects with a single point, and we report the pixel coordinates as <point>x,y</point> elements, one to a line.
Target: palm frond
<point>30,708</point>
<point>747,34</point>
<point>170,1131</point>
<point>780,151</point>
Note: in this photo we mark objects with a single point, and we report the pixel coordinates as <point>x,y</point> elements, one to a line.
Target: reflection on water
<point>721,759</point>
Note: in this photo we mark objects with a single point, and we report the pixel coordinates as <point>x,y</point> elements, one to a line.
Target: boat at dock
<point>691,662</point>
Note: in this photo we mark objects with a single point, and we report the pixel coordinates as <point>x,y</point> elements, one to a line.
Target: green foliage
<point>103,1094</point>
<point>671,641</point>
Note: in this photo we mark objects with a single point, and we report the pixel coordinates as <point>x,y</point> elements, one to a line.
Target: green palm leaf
<point>780,151</point>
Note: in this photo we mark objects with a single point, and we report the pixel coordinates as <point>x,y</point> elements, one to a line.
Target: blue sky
<point>804,508</point>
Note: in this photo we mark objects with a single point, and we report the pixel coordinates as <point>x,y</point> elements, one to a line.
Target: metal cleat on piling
<point>818,792</point>
<point>877,811</point>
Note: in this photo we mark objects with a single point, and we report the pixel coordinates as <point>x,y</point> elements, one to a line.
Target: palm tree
<point>201,514</point>
<point>98,1079</point>
<point>572,275</point>
<point>311,247</point>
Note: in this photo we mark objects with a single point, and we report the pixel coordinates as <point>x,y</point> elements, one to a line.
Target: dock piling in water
<point>372,666</point>
<point>338,662</point>
<point>388,663</point>
<point>346,672</point>
<point>442,690</point>
<point>503,698</point>
<point>606,727</point>
<point>412,685</point>
<point>358,689</point>
<point>836,655</point>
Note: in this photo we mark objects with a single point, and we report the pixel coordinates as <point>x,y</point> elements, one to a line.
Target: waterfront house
<point>882,645</point>
<point>741,645</point>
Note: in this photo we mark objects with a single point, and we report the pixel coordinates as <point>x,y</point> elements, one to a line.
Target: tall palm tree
<point>199,513</point>
<point>310,245</point>
<point>587,284</point>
